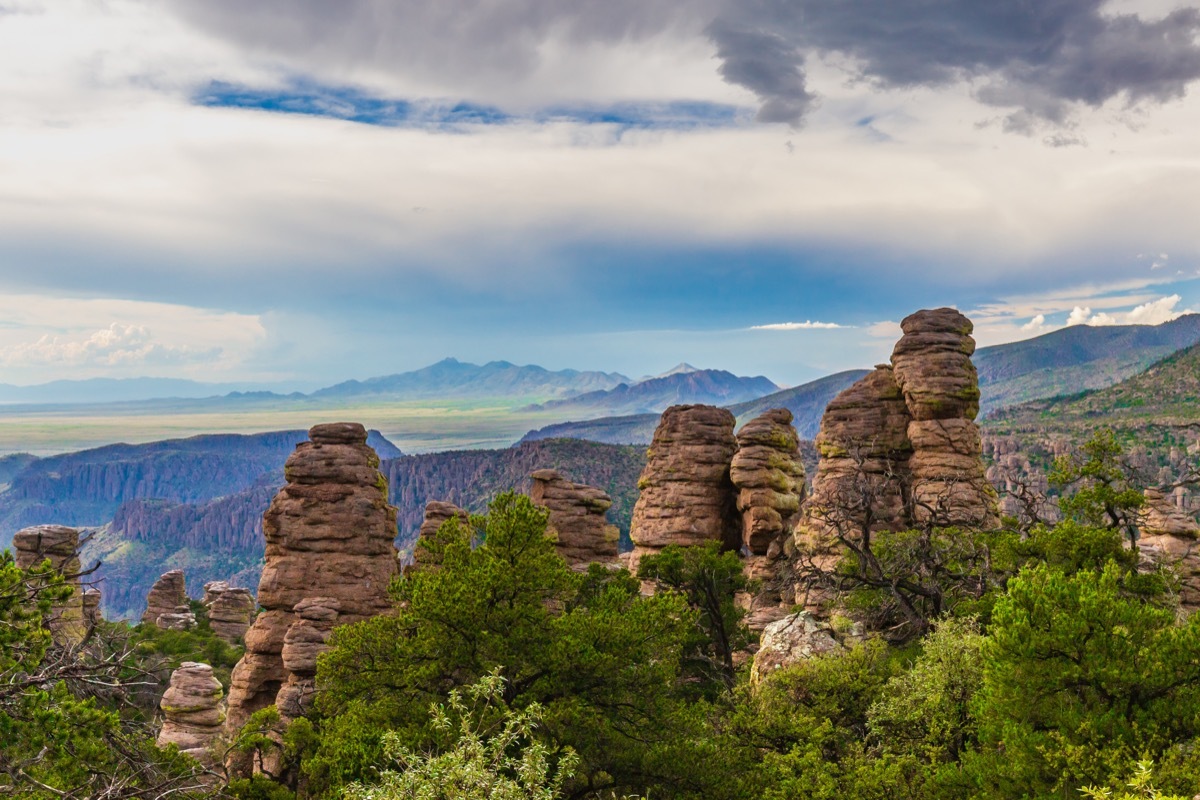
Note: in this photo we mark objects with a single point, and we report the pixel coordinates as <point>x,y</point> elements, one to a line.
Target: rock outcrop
<point>193,712</point>
<point>932,365</point>
<point>329,535</point>
<point>770,483</point>
<point>1170,536</point>
<point>687,497</point>
<point>436,514</point>
<point>230,610</point>
<point>305,640</point>
<point>577,522</point>
<point>900,448</point>
<point>167,601</point>
<point>91,607</point>
<point>60,545</point>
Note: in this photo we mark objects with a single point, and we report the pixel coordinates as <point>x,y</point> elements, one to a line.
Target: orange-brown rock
<point>329,534</point>
<point>60,545</point>
<point>1170,537</point>
<point>167,598</point>
<point>193,712</point>
<point>230,610</point>
<point>769,478</point>
<point>686,495</point>
<point>932,365</point>
<point>436,514</point>
<point>305,640</point>
<point>577,521</point>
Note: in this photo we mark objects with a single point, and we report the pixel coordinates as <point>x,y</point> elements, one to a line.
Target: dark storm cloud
<point>1037,57</point>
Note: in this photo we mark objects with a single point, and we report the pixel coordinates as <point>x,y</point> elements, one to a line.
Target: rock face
<point>900,448</point>
<point>577,519</point>
<point>230,610</point>
<point>770,483</point>
<point>1170,536</point>
<point>932,364</point>
<point>329,535</point>
<point>91,607</point>
<point>304,641</point>
<point>436,513</point>
<point>193,711</point>
<point>789,640</point>
<point>687,497</point>
<point>60,545</point>
<point>168,598</point>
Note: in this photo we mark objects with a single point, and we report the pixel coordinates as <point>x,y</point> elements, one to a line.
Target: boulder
<point>168,596</point>
<point>193,712</point>
<point>60,545</point>
<point>577,521</point>
<point>789,640</point>
<point>687,497</point>
<point>329,534</point>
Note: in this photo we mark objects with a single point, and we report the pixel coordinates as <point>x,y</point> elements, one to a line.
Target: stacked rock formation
<point>1170,536</point>
<point>329,534</point>
<point>60,545</point>
<point>436,513</point>
<point>167,604</point>
<point>91,607</point>
<point>304,641</point>
<point>582,534</point>
<point>192,711</point>
<point>932,365</point>
<point>230,610</point>
<point>770,483</point>
<point>687,497</point>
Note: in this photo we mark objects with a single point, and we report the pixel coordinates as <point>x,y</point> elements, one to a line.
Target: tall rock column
<point>687,497</point>
<point>932,364</point>
<point>329,534</point>
<point>770,483</point>
<point>230,610</point>
<point>167,604</point>
<point>60,545</point>
<point>582,534</point>
<point>192,711</point>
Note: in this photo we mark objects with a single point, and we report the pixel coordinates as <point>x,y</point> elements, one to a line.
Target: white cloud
<point>47,338</point>
<point>1079,316</point>
<point>1035,325</point>
<point>1155,312</point>
<point>807,325</point>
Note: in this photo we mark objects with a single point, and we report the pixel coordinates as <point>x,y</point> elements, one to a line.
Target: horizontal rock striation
<point>577,521</point>
<point>193,712</point>
<point>60,545</point>
<point>687,497</point>
<point>230,610</point>
<point>329,535</point>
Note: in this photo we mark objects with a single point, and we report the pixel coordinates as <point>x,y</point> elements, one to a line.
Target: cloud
<point>1035,325</point>
<point>118,345</point>
<point>1155,312</point>
<point>1039,59</point>
<point>798,326</point>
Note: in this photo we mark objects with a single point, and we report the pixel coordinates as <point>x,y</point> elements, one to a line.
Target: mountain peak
<point>682,368</point>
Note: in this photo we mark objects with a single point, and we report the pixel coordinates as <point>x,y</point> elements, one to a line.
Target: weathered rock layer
<point>582,534</point>
<point>193,712</point>
<point>60,545</point>
<point>167,600</point>
<point>230,610</point>
<point>329,535</point>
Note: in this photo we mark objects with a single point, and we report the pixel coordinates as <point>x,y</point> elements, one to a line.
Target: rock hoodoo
<point>687,497</point>
<point>583,534</point>
<point>60,545</point>
<point>770,483</point>
<point>900,448</point>
<point>230,610</point>
<point>192,711</point>
<point>329,535</point>
<point>167,601</point>
<point>1170,535</point>
<point>436,513</point>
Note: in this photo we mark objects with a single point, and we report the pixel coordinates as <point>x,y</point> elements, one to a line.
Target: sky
<point>316,190</point>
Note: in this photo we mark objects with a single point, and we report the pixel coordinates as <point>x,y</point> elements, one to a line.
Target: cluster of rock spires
<point>329,558</point>
<point>59,544</point>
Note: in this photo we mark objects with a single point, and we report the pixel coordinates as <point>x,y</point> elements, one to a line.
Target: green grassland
<point>413,426</point>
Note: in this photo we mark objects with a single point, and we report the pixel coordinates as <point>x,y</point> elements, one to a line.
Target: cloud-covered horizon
<point>381,184</point>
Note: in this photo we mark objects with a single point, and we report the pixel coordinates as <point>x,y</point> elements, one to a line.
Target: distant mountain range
<point>684,384</point>
<point>123,390</point>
